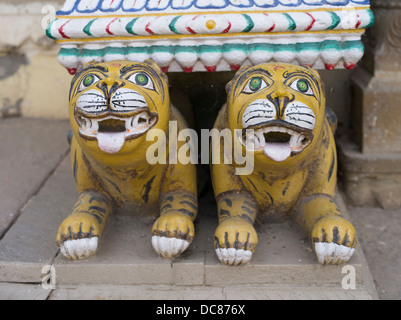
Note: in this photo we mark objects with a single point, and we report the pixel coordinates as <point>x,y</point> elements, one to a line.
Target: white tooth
<point>128,123</point>
<point>87,126</point>
<point>250,142</point>
<point>294,140</point>
<point>95,125</point>
<point>300,138</point>
<point>261,137</point>
<point>135,122</point>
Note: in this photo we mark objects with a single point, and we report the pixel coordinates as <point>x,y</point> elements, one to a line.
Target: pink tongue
<point>277,151</point>
<point>110,142</point>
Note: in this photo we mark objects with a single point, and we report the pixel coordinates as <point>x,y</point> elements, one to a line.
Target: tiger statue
<point>278,112</point>
<point>113,105</point>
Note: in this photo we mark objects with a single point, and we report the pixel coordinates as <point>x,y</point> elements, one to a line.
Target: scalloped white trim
<point>233,257</point>
<point>169,247</point>
<point>332,253</point>
<point>79,249</point>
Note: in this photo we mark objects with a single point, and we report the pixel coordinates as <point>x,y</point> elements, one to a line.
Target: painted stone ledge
<point>204,35</point>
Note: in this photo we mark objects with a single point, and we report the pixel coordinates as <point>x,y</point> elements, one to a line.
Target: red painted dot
<point>211,68</point>
<point>235,67</point>
<point>349,66</point>
<point>165,69</point>
<point>188,69</point>
<point>330,66</point>
<point>72,71</point>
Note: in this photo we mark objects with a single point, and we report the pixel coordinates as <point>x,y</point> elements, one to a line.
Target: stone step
<point>30,149</point>
<point>165,292</point>
<point>283,266</point>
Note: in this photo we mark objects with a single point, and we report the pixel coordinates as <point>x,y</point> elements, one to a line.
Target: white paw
<point>332,253</point>
<point>169,247</point>
<point>233,257</point>
<point>79,249</point>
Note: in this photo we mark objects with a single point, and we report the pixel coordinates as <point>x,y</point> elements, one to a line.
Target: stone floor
<point>37,192</point>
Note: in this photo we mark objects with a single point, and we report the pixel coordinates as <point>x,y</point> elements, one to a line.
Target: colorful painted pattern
<point>188,57</point>
<point>213,24</point>
<point>218,35</point>
<point>131,6</point>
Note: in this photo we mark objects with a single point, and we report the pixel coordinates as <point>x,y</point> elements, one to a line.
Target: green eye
<point>255,84</point>
<point>89,80</point>
<point>302,86</point>
<point>141,79</point>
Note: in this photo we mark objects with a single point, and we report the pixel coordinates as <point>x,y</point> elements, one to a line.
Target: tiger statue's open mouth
<point>112,121</point>
<point>278,138</point>
<point>112,131</point>
<point>277,141</point>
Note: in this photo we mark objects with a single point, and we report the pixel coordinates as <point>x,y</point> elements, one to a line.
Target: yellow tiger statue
<point>113,105</point>
<point>279,112</point>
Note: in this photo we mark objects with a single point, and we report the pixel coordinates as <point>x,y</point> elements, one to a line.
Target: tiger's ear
<point>158,70</point>
<point>82,67</point>
<point>229,86</point>
<point>317,76</point>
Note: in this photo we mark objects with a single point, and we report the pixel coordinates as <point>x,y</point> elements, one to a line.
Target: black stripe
<point>167,206</point>
<point>193,206</point>
<point>258,117</point>
<point>226,240</point>
<point>253,184</point>
<point>147,187</point>
<point>300,120</point>
<point>187,212</point>
<point>271,198</point>
<point>301,114</point>
<point>99,219</point>
<point>331,170</point>
<point>75,166</point>
<point>252,205</point>
<point>247,210</point>
<point>247,218</point>
<point>259,110</point>
<point>99,198</point>
<point>247,241</point>
<point>113,184</point>
<point>224,213</point>
<point>286,188</point>
<point>96,208</point>
<point>335,235</point>
<point>228,202</point>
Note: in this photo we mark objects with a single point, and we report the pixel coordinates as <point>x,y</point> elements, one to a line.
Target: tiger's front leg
<point>174,230</point>
<point>79,234</point>
<point>333,237</point>
<point>235,237</point>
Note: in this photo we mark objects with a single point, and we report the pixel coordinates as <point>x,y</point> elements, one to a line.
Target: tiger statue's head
<point>283,104</point>
<point>114,104</point>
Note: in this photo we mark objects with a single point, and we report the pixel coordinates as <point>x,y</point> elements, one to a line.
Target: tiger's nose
<point>110,82</point>
<point>281,92</point>
<point>110,85</point>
